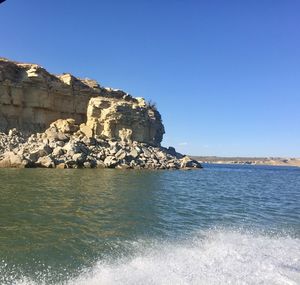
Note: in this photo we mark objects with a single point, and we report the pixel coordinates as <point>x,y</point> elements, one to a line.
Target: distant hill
<point>280,161</point>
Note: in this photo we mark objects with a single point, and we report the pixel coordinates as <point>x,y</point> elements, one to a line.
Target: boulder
<point>124,120</point>
<point>134,153</point>
<point>66,126</point>
<point>12,160</point>
<point>79,158</point>
<point>53,134</point>
<point>172,151</point>
<point>187,162</point>
<point>121,154</point>
<point>58,151</point>
<point>46,162</point>
<point>146,152</point>
<point>61,165</point>
<point>86,130</point>
<point>110,162</point>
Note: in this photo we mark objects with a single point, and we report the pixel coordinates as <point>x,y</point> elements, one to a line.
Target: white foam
<point>213,257</point>
<point>220,258</point>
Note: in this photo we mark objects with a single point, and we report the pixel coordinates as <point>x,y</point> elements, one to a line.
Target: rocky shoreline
<point>91,126</point>
<point>64,145</point>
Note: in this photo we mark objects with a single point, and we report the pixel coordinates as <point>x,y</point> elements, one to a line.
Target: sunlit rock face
<point>123,120</point>
<point>31,99</point>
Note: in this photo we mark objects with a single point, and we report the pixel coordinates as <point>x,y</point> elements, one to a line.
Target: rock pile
<point>64,145</point>
<point>10,141</point>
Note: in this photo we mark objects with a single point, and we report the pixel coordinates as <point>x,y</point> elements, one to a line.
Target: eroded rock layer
<point>124,120</point>
<point>31,99</point>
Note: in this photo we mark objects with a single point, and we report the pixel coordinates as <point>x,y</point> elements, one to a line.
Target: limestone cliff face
<point>123,120</point>
<point>31,99</point>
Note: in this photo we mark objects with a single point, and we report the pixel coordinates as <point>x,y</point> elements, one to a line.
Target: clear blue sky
<point>224,74</point>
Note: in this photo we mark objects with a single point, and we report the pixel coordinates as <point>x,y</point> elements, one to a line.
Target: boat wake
<point>210,257</point>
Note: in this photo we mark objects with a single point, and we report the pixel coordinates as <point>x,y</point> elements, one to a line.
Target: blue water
<point>220,225</point>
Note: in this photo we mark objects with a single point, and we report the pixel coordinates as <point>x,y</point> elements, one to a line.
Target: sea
<point>223,224</point>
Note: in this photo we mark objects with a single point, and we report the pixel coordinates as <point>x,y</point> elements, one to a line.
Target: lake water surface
<point>219,225</point>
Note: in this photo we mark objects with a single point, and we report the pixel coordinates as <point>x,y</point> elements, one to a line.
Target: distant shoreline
<point>275,161</point>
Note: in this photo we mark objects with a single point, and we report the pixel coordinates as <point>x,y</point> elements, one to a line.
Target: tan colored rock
<point>110,162</point>
<point>187,162</point>
<point>125,135</point>
<point>46,162</point>
<point>61,166</point>
<point>12,160</point>
<point>31,98</point>
<point>57,151</point>
<point>86,130</point>
<point>126,121</point>
<point>67,126</point>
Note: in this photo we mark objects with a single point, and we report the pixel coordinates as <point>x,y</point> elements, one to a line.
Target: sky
<point>225,75</point>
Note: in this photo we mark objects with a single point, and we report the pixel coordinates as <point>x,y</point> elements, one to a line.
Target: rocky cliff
<point>66,122</point>
<point>123,120</point>
<point>31,99</point>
